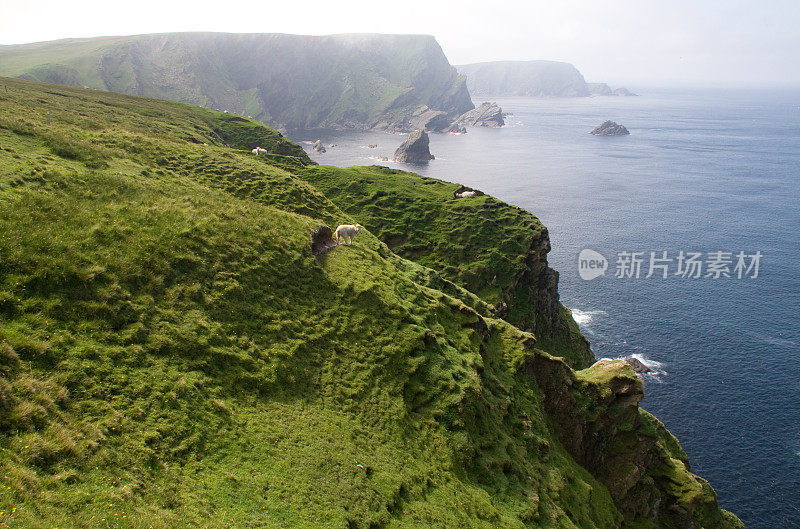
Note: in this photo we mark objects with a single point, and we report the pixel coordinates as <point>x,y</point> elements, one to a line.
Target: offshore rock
<point>638,366</point>
<point>415,149</point>
<point>610,128</point>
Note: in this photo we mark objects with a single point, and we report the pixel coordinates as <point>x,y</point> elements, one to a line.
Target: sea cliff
<point>354,81</point>
<point>175,353</point>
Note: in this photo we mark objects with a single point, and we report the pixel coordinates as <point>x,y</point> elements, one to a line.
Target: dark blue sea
<point>701,172</point>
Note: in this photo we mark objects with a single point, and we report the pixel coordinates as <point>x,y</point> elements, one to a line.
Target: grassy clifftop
<point>497,251</point>
<point>172,354</point>
<point>297,81</point>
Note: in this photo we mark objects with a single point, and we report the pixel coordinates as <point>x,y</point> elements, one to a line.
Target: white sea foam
<point>585,317</point>
<point>657,367</point>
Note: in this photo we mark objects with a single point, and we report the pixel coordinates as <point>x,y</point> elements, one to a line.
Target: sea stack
<point>415,149</point>
<point>319,147</point>
<point>610,128</point>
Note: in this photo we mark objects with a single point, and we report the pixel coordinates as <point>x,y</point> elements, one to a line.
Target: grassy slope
<point>172,354</point>
<point>497,251</point>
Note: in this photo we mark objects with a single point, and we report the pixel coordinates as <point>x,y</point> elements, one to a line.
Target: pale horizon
<point>735,44</point>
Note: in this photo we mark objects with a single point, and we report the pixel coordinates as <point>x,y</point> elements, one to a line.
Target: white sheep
<point>347,232</point>
<point>467,194</point>
<point>258,151</point>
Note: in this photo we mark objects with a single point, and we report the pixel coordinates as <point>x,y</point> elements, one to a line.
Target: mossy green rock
<point>172,354</point>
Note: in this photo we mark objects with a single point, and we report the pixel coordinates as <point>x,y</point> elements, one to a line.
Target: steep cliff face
<point>524,78</point>
<point>627,449</point>
<point>338,81</point>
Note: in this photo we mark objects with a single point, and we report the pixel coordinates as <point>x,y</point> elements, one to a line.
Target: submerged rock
<point>486,115</point>
<point>415,149</point>
<point>319,147</point>
<point>610,128</point>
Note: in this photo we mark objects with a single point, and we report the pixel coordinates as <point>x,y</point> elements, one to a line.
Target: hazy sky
<point>636,42</point>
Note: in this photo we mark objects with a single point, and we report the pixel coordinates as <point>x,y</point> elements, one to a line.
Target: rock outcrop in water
<point>610,128</point>
<point>455,128</point>
<point>319,147</point>
<point>486,115</point>
<point>415,149</point>
<point>638,366</point>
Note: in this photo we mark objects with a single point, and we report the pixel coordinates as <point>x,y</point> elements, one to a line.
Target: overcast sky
<point>634,42</point>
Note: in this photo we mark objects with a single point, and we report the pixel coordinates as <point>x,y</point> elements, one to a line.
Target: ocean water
<point>701,172</point>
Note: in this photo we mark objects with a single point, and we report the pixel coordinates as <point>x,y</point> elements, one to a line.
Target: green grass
<point>173,355</point>
<point>494,250</point>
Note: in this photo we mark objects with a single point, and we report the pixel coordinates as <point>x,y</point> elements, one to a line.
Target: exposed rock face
<point>533,303</point>
<point>421,118</point>
<point>627,449</point>
<point>319,147</point>
<point>322,240</point>
<point>609,128</point>
<point>599,89</point>
<point>455,128</point>
<point>415,149</point>
<point>356,81</point>
<point>486,115</point>
<point>524,78</point>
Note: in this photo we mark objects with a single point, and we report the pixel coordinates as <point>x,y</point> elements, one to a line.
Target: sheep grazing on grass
<point>467,194</point>
<point>258,151</point>
<point>347,232</point>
